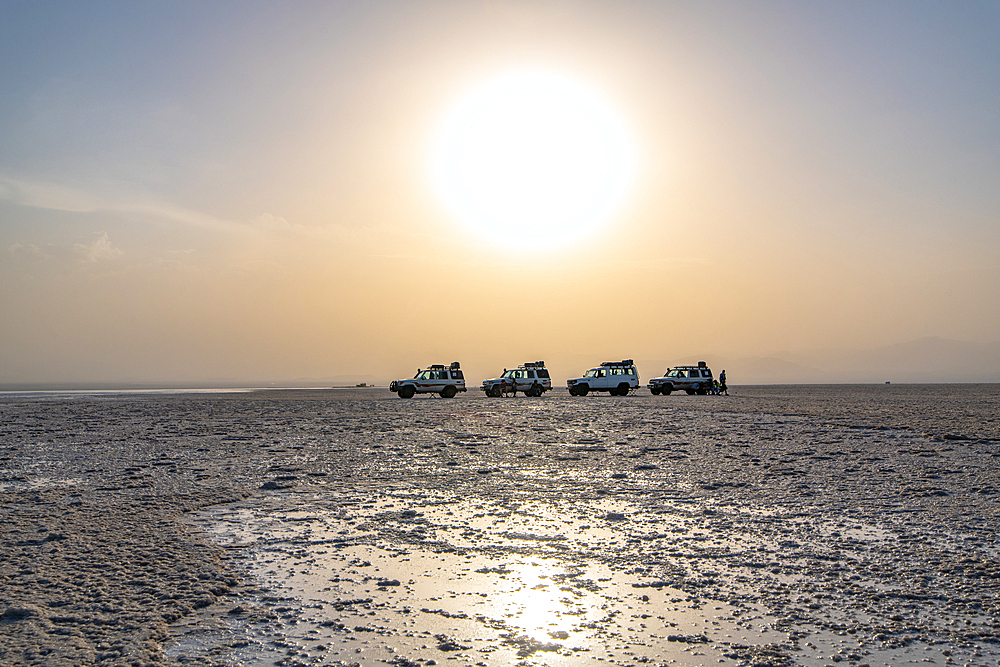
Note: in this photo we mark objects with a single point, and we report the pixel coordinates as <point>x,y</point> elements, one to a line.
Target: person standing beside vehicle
<point>723,389</point>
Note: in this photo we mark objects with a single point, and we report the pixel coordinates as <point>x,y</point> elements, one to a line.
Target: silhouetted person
<point>722,384</point>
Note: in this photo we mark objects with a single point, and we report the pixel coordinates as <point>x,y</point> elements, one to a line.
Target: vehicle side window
<point>457,375</point>
<point>531,375</point>
<point>706,374</point>
<point>681,374</point>
<point>543,373</point>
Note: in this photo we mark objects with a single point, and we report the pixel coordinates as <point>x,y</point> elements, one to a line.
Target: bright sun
<point>533,159</point>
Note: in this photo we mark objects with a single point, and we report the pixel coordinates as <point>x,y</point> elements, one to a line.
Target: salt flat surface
<point>777,526</point>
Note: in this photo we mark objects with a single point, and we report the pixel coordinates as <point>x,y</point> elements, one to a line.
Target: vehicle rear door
<point>544,379</point>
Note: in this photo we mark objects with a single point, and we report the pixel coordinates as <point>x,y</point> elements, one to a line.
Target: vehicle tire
<point>689,392</point>
<point>449,392</point>
<point>494,391</point>
<point>406,391</point>
<point>623,389</point>
<point>582,389</point>
<point>666,390</point>
<point>655,391</point>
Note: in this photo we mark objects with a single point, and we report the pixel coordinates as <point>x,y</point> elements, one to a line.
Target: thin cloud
<point>99,250</point>
<point>47,195</point>
<point>26,250</point>
<point>58,197</point>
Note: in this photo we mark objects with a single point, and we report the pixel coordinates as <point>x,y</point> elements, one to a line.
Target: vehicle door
<point>508,380</point>
<point>429,380</point>
<point>526,379</point>
<point>441,380</point>
<point>423,380</point>
<point>680,379</point>
<point>518,378</point>
<point>544,379</point>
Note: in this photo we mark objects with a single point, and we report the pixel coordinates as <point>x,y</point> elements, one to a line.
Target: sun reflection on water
<point>490,583</point>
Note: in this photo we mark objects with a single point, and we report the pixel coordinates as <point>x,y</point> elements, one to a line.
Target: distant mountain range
<point>929,359</point>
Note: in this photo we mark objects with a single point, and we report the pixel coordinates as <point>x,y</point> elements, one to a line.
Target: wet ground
<point>777,526</point>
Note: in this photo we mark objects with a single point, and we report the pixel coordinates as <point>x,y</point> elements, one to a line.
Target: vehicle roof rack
<point>623,362</point>
<point>534,364</point>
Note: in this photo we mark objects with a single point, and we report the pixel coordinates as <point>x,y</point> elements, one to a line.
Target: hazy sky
<point>243,190</point>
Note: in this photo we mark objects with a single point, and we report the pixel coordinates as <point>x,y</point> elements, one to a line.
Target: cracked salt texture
<point>782,525</point>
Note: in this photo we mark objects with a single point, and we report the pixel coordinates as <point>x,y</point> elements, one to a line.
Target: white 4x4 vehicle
<point>532,379</point>
<point>437,379</point>
<point>692,379</point>
<point>617,378</point>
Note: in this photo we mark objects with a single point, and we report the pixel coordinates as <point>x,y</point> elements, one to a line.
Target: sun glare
<point>533,159</point>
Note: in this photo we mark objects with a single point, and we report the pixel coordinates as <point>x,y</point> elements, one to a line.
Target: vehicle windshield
<point>592,373</point>
<point>675,374</point>
<point>508,374</point>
